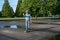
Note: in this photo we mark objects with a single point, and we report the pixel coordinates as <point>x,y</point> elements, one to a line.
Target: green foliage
<point>51,6</point>
<point>37,8</point>
<point>18,9</point>
<point>40,8</point>
<point>0,14</point>
<point>43,7</point>
<point>7,11</point>
<point>57,10</point>
<point>22,6</point>
<point>27,4</point>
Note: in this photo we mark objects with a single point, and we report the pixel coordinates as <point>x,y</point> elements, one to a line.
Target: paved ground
<point>13,34</point>
<point>41,25</point>
<point>39,32</point>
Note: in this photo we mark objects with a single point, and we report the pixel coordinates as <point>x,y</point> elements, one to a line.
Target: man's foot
<point>27,31</point>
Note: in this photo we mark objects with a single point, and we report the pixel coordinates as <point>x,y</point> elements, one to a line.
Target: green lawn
<point>11,18</point>
<point>22,18</point>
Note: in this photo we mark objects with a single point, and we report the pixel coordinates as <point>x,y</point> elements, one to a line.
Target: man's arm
<point>30,19</point>
<point>23,14</point>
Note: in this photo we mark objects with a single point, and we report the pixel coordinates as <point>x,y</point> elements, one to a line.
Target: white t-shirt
<point>27,16</point>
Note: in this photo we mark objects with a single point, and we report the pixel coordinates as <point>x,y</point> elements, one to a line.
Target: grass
<point>22,18</point>
<point>11,19</point>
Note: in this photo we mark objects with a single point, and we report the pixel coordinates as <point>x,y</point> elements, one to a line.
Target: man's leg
<point>26,23</point>
<point>28,26</point>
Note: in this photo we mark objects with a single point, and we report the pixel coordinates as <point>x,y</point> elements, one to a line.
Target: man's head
<point>26,11</point>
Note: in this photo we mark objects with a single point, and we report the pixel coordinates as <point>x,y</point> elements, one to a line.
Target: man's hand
<point>23,14</point>
<point>30,21</point>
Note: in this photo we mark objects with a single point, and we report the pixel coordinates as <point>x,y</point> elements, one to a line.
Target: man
<point>27,21</point>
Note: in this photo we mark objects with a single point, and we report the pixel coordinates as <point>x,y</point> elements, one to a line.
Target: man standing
<point>27,21</point>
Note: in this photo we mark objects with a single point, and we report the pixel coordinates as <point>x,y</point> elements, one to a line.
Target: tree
<point>22,6</point>
<point>27,4</point>
<point>17,12</point>
<point>43,7</point>
<point>7,10</point>
<point>51,7</point>
<point>37,7</point>
<point>57,10</point>
<point>0,14</point>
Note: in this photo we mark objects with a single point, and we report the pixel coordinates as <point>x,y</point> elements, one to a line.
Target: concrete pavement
<point>19,34</point>
<point>39,31</point>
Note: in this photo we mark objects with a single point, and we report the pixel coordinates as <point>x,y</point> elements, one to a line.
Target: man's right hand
<point>23,14</point>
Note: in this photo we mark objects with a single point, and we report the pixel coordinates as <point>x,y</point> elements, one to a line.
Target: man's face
<point>26,11</point>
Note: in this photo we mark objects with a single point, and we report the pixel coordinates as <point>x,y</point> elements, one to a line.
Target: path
<point>40,32</point>
<point>19,34</point>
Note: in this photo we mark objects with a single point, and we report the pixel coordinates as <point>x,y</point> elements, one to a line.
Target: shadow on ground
<point>4,37</point>
<point>45,29</point>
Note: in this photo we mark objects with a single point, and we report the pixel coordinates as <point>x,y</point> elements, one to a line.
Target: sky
<point>13,4</point>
